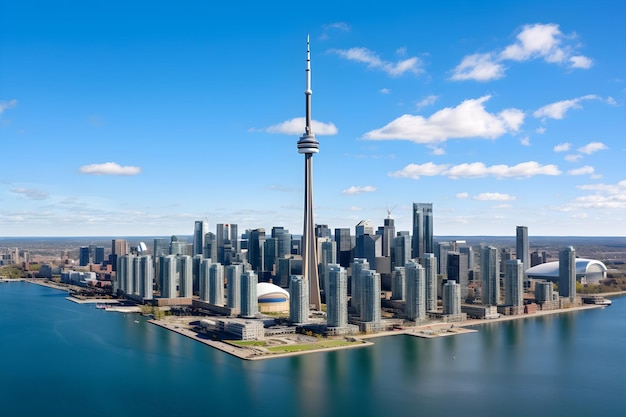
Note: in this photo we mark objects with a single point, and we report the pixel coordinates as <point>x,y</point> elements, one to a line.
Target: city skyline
<point>138,121</point>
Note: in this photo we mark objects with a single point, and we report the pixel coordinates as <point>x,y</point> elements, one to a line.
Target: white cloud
<point>541,130</point>
<point>494,197</point>
<point>572,157</point>
<point>469,119</point>
<point>558,109</point>
<point>580,61</point>
<point>562,147</point>
<point>586,170</point>
<point>5,105</point>
<point>384,91</point>
<point>109,168</point>
<point>358,190</point>
<point>373,61</point>
<point>342,26</point>
<point>462,195</point>
<point>503,206</point>
<point>476,170</point>
<point>296,126</point>
<point>607,197</point>
<point>31,193</point>
<point>592,147</point>
<point>438,151</point>
<point>426,101</point>
<point>479,67</point>
<point>525,141</point>
<point>537,41</point>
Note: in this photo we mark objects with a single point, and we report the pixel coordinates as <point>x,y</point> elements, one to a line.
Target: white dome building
<point>588,271</point>
<point>272,298</point>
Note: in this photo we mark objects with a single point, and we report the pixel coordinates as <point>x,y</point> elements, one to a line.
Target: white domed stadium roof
<point>589,268</point>
<point>266,290</point>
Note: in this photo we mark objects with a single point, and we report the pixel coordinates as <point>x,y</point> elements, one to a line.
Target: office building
<point>344,246</point>
<point>422,230</point>
<point>256,247</point>
<point>337,297</point>
<point>402,250</point>
<point>441,253</point>
<point>415,305</point>
<point>199,231</point>
<point>567,272</point>
<point>521,246</point>
<point>298,300</point>
<point>490,274</point>
<point>514,283</point>
<point>83,256</point>
<point>457,271</point>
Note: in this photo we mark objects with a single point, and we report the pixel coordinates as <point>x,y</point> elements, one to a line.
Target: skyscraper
<point>185,274</point>
<point>415,306</point>
<point>514,283</point>
<point>205,283</point>
<point>216,284</point>
<point>233,285</point>
<point>451,298</point>
<point>356,287</point>
<point>521,246</point>
<point>146,273</point>
<point>422,230</point>
<point>490,273</point>
<point>567,272</point>
<point>457,271</point>
<point>308,146</point>
<point>199,231</point>
<point>337,297</point>
<point>429,262</point>
<point>370,300</point>
<point>249,299</point>
<point>398,283</point>
<point>344,246</point>
<point>298,300</point>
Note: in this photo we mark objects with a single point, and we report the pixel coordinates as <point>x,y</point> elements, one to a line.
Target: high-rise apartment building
<point>337,297</point>
<point>356,285</point>
<point>490,274</point>
<point>457,271</point>
<point>422,230</point>
<point>233,285</point>
<point>298,300</point>
<point>169,269</point>
<point>415,300</point>
<point>205,283</point>
<point>514,283</point>
<point>429,262</point>
<point>146,274</point>
<point>249,300</point>
<point>185,274</point>
<point>451,298</point>
<point>398,283</point>
<point>216,284</point>
<point>370,299</point>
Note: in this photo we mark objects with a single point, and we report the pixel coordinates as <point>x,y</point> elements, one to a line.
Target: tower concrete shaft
<point>308,145</point>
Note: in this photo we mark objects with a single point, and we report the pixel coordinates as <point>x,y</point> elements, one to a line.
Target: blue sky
<point>138,118</point>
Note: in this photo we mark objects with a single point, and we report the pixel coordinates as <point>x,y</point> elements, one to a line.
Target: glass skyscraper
<point>422,230</point>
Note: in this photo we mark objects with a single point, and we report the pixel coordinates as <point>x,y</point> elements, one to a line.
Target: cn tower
<point>308,145</point>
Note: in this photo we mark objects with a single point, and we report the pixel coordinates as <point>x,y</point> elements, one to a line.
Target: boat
<point>597,300</point>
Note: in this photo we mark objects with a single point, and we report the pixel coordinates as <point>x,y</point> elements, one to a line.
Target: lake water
<point>58,358</point>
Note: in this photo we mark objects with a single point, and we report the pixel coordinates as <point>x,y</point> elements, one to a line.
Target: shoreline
<point>428,331</point>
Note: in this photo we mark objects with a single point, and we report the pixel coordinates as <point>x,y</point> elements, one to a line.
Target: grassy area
<point>248,342</point>
<point>324,344</point>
